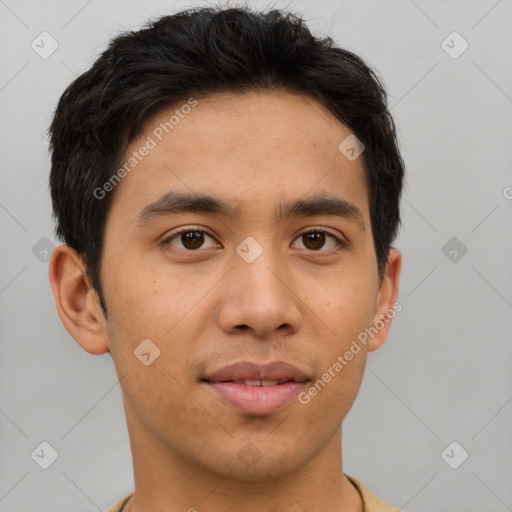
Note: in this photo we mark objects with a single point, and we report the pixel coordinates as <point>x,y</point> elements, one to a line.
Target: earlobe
<point>386,306</point>
<point>77,303</point>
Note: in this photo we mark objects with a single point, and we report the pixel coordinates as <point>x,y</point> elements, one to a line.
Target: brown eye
<point>313,241</point>
<point>318,240</point>
<point>191,240</point>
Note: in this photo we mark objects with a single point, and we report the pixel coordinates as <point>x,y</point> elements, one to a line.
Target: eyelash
<point>340,242</point>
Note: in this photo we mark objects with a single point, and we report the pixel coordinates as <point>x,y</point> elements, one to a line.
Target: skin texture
<point>207,307</point>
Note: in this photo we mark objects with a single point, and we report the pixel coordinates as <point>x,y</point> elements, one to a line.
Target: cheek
<point>160,397</point>
<point>147,302</point>
<point>344,308</point>
<point>328,399</point>
<point>346,305</point>
<point>149,305</point>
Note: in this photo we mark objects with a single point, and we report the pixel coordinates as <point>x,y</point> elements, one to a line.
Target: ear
<point>77,302</point>
<point>386,306</point>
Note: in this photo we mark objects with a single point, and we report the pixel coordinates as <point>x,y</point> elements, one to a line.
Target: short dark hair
<point>197,52</point>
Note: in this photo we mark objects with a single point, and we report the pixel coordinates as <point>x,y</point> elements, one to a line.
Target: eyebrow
<point>178,202</point>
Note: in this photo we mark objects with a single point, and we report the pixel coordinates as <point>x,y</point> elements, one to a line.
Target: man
<point>227,187</point>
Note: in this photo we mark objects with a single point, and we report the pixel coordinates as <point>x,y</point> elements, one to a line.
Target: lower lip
<point>257,399</point>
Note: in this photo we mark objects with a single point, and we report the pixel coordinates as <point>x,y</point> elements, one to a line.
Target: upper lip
<point>276,371</point>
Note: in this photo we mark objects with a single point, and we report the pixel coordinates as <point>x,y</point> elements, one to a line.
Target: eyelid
<point>187,229</point>
<point>341,240</point>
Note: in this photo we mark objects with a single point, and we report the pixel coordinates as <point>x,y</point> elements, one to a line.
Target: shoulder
<point>120,504</point>
<point>371,502</point>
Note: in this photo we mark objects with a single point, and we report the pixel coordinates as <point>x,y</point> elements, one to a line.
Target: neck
<point>167,480</point>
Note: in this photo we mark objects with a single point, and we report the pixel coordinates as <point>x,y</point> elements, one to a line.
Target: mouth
<point>259,383</point>
<point>257,389</point>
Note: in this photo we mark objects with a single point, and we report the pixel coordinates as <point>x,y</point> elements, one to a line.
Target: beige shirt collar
<point>370,502</point>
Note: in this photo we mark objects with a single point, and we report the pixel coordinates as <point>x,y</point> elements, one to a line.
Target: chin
<point>252,464</point>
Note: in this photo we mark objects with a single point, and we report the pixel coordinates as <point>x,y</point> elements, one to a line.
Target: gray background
<point>443,375</point>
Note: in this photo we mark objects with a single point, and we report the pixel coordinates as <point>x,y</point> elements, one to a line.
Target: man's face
<point>209,298</point>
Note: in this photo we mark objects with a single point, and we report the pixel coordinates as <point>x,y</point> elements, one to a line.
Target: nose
<point>259,298</point>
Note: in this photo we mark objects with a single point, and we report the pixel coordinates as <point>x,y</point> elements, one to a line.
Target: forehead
<point>257,147</point>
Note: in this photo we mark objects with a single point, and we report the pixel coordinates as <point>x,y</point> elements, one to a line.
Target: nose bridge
<point>257,296</point>
<point>260,286</point>
<point>260,283</point>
